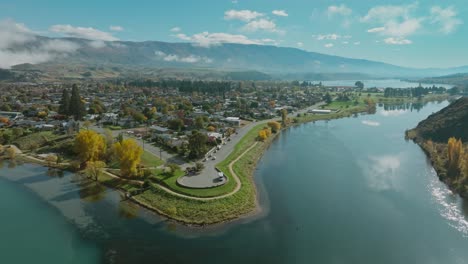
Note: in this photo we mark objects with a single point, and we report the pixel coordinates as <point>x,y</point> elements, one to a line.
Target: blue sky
<point>407,33</point>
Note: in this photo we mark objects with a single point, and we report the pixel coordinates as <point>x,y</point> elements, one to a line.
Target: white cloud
<point>183,37</point>
<point>243,15</point>
<point>397,41</point>
<point>382,172</point>
<point>19,44</point>
<point>328,45</point>
<point>446,18</point>
<point>388,12</point>
<point>60,46</point>
<point>370,123</point>
<point>393,112</point>
<point>187,59</point>
<point>12,33</point>
<point>176,29</point>
<point>396,19</point>
<point>345,42</point>
<point>300,44</point>
<point>261,24</point>
<point>331,36</point>
<point>405,28</point>
<point>376,29</point>
<point>83,32</point>
<point>116,28</point>
<point>339,10</point>
<point>206,39</point>
<point>97,44</point>
<point>280,13</point>
<point>357,43</point>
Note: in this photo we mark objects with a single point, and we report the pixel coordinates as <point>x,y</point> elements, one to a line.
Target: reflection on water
<point>128,209</point>
<point>89,191</point>
<point>451,206</point>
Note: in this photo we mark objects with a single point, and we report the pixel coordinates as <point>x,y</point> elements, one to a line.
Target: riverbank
<point>437,155</point>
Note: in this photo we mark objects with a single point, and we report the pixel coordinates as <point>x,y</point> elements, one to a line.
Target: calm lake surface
<point>345,191</point>
<point>393,83</point>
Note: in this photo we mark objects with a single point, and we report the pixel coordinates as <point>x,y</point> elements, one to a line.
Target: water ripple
<point>449,204</point>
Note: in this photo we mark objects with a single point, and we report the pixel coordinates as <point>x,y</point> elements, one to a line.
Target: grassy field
<point>149,160</point>
<point>36,140</point>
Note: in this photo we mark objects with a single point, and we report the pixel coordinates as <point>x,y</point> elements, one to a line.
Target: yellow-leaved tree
<point>90,146</point>
<point>262,135</point>
<point>129,154</point>
<point>455,154</point>
<point>275,126</point>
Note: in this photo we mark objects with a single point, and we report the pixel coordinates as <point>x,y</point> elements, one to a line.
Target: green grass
<point>149,160</point>
<point>35,140</point>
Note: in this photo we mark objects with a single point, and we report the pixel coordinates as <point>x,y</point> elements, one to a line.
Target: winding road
<point>231,170</point>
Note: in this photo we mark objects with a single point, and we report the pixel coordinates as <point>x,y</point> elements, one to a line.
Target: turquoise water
<point>393,83</point>
<point>344,191</point>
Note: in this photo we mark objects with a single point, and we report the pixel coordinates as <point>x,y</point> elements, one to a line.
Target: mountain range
<point>80,58</point>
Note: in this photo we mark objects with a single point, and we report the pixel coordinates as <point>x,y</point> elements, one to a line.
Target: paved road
<point>207,177</point>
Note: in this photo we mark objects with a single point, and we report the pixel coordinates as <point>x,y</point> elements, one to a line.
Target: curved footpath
<point>231,170</point>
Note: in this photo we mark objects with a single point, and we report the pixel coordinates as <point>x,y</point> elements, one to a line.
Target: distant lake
<point>344,191</point>
<point>393,83</point>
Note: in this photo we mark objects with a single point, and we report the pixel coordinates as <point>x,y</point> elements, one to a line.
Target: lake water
<point>393,83</point>
<point>344,191</point>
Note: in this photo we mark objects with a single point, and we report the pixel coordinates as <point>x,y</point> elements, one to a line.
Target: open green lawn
<point>149,160</point>
<point>38,139</point>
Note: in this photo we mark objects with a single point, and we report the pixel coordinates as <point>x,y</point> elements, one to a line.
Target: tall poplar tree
<point>77,108</point>
<point>64,103</point>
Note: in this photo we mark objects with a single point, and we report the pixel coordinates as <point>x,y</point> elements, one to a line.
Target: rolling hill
<point>279,62</point>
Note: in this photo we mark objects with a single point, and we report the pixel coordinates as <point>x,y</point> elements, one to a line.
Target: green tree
<point>197,144</point>
<point>359,85</point>
<point>77,108</point>
<point>284,116</point>
<point>199,122</point>
<point>64,107</point>
<point>175,124</point>
<point>328,99</point>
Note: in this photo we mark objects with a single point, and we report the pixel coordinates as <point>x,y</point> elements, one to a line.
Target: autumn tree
<point>129,155</point>
<point>94,169</point>
<point>10,153</point>
<point>275,126</point>
<point>262,135</point>
<point>455,155</point>
<point>51,159</point>
<point>89,145</point>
